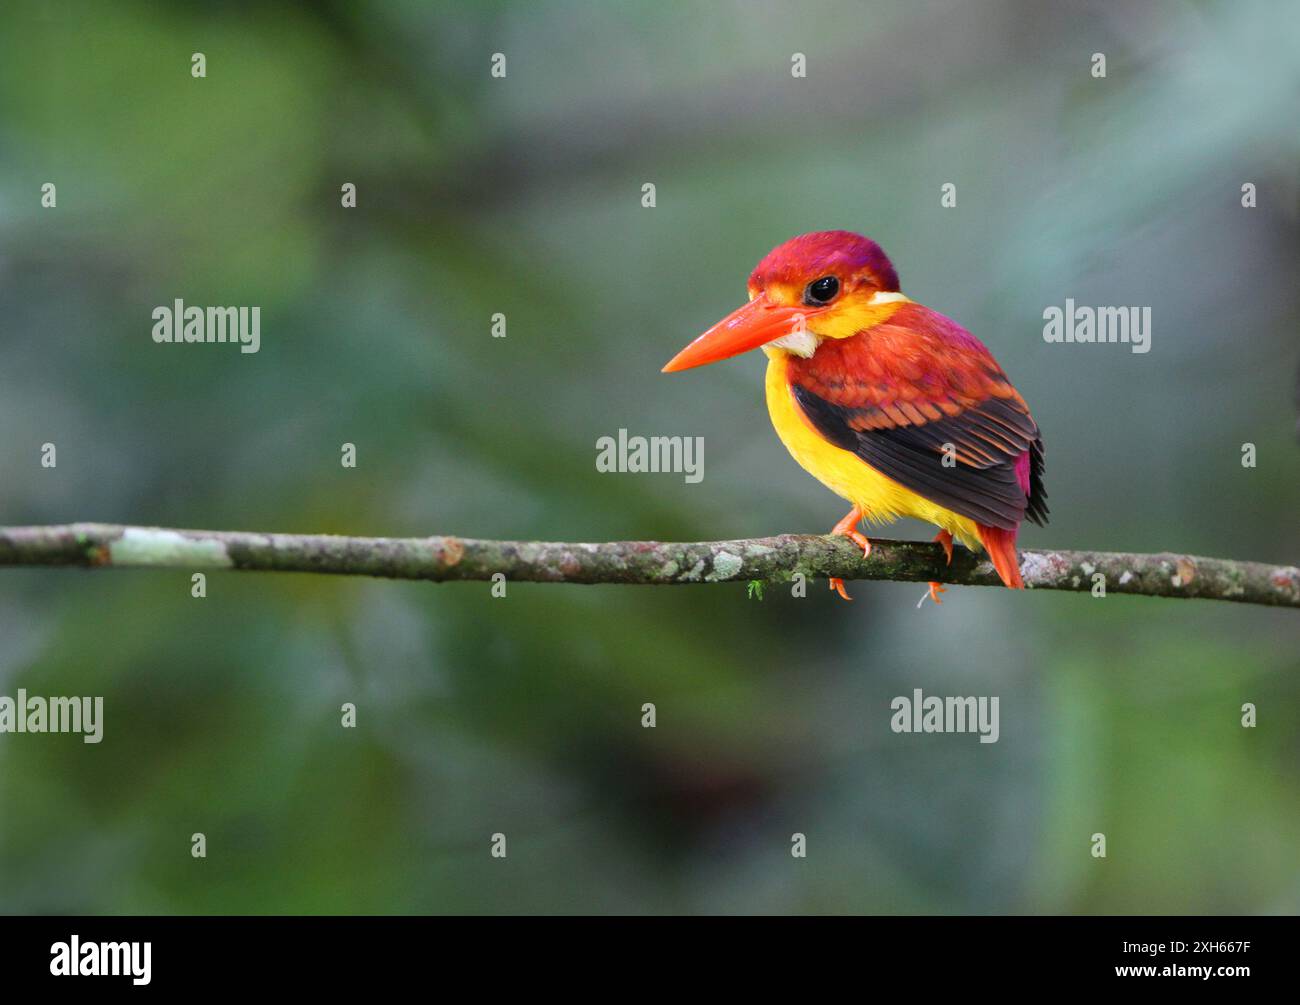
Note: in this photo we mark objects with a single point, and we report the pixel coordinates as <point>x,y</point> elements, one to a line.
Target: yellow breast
<point>882,499</point>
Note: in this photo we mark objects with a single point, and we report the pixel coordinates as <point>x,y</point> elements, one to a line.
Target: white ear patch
<point>800,342</point>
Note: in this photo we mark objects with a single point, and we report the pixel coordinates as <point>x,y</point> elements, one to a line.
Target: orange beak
<point>753,325</point>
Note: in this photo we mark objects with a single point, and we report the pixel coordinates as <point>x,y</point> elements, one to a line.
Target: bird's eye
<point>821,291</point>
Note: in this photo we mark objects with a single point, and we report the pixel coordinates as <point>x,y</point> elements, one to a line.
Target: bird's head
<point>829,284</point>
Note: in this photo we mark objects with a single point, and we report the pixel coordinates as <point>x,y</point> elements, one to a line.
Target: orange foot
<point>848,527</point>
<point>935,590</point>
<point>945,539</point>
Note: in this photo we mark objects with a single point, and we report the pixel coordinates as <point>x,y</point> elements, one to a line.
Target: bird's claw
<point>848,527</point>
<point>861,540</point>
<point>932,593</point>
<point>945,539</point>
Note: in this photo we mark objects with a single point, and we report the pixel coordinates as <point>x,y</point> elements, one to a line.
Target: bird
<point>889,404</point>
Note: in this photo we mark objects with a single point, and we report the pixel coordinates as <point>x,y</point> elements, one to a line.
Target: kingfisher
<point>892,406</point>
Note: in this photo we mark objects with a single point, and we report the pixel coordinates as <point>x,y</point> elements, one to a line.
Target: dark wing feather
<point>981,482</point>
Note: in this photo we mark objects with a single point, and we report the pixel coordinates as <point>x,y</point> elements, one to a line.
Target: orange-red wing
<point>908,393</point>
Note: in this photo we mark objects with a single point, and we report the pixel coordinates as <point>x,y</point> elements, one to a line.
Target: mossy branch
<point>769,559</point>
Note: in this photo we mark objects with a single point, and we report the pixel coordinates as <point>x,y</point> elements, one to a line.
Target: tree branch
<point>770,559</point>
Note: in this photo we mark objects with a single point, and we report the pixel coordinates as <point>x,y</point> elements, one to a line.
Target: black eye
<point>821,291</point>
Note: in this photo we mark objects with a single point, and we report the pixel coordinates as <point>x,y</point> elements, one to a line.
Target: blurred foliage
<point>522,195</point>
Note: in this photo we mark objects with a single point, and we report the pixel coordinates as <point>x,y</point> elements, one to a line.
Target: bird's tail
<point>1001,546</point>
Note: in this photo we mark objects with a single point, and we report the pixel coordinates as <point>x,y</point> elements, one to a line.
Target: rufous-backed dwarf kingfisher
<point>889,404</point>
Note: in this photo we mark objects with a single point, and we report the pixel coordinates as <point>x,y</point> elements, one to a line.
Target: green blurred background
<point>523,196</point>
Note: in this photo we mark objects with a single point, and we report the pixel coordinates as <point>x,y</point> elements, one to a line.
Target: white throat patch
<point>801,342</point>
